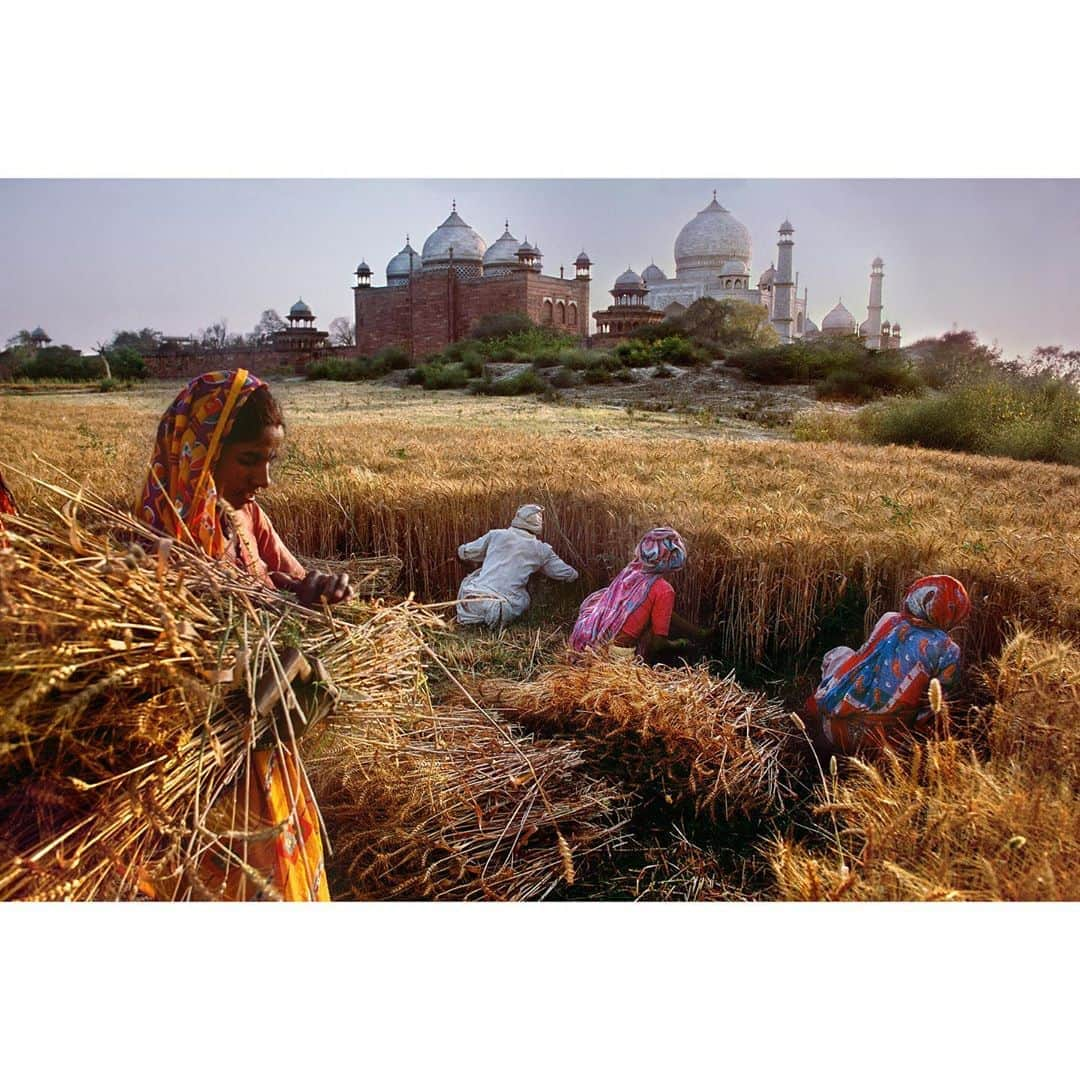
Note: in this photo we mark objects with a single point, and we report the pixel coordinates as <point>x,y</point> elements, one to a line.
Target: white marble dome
<point>766,280</point>
<point>503,253</point>
<point>397,269</point>
<point>714,236</point>
<point>454,233</point>
<point>839,320</point>
<point>734,268</point>
<point>652,273</point>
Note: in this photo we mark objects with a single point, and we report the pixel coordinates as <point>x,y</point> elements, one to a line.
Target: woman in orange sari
<point>214,448</point>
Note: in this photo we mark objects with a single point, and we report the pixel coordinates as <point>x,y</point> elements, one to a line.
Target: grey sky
<point>85,257</point>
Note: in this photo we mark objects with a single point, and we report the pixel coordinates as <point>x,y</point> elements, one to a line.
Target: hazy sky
<point>85,257</point>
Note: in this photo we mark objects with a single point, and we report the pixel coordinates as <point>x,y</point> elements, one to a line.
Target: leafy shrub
<point>547,359</point>
<point>127,362</point>
<point>347,369</point>
<point>59,362</point>
<point>564,378</point>
<point>1002,414</point>
<point>444,376</point>
<point>495,327</point>
<point>524,382</point>
<point>634,354</point>
<point>393,357</point>
<point>676,350</point>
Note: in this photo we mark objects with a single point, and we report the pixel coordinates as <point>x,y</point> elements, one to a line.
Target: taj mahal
<point>712,259</point>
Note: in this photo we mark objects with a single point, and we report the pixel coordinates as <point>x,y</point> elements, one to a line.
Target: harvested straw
<point>126,684</point>
<point>457,808</point>
<point>678,734</point>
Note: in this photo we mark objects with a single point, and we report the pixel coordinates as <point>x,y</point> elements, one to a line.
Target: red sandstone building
<point>437,296</point>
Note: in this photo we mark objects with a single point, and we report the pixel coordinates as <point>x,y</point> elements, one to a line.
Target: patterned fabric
<point>602,614</point>
<point>179,498</point>
<point>874,696</point>
<point>282,842</point>
<point>938,600</point>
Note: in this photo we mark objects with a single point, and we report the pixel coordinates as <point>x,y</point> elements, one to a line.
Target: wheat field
<point>793,547</point>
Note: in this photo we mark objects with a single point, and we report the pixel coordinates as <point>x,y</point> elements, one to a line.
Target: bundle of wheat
<point>455,806</point>
<point>129,698</point>
<point>944,824</point>
<point>677,734</point>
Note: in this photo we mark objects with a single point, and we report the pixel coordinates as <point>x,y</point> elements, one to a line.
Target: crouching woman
<point>635,614</point>
<point>878,696</point>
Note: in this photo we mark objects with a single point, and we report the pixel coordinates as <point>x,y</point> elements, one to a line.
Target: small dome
<point>885,326</point>
<point>503,252</point>
<point>300,310</point>
<point>839,319</point>
<point>628,279</point>
<point>786,226</point>
<point>766,279</point>
<point>583,260</point>
<point>363,268</point>
<point>733,268</point>
<point>37,334</point>
<point>810,327</point>
<point>454,233</point>
<point>652,273</point>
<point>878,263</point>
<point>397,269</point>
<point>896,328</point>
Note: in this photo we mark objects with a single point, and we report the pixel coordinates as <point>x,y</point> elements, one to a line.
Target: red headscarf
<point>937,600</point>
<point>179,497</point>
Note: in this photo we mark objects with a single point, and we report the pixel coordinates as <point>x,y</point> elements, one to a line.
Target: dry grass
<point>677,735</point>
<point>456,807</point>
<point>946,824</point>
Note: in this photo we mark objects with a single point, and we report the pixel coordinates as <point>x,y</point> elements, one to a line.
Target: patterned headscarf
<point>603,612</point>
<point>530,518</point>
<point>179,497</point>
<point>938,600</point>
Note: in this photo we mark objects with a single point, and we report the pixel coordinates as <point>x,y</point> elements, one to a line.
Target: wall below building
<point>264,362</point>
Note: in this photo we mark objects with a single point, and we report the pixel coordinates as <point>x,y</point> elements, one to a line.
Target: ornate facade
<point>435,297</point>
<point>712,259</point>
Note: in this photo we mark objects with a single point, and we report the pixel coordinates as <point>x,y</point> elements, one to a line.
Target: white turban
<point>530,518</point>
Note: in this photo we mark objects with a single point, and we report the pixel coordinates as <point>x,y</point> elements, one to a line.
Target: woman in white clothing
<point>496,594</point>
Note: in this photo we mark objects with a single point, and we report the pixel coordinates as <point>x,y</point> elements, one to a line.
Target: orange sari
<point>269,813</point>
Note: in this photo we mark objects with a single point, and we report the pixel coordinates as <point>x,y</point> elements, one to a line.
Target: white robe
<point>510,557</point>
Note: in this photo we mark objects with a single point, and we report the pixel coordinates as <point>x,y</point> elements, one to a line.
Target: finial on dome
<point>406,239</point>
<point>714,194</point>
<point>506,225</point>
<point>453,206</point>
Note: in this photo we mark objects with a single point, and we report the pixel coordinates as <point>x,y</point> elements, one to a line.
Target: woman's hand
<point>316,586</point>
